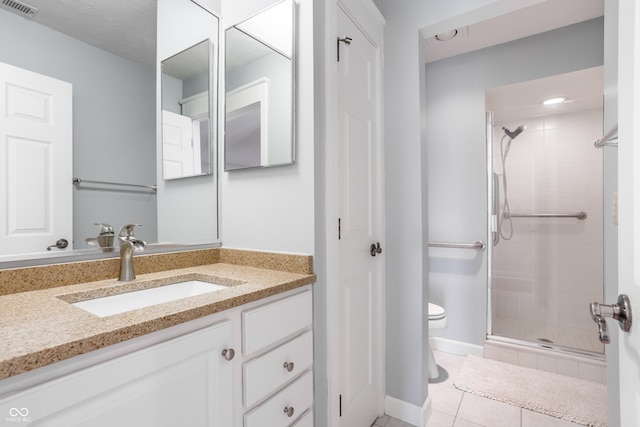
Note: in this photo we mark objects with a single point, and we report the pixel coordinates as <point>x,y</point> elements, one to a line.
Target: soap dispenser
<point>104,239</point>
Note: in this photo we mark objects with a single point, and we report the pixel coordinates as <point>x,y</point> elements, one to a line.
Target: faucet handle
<point>104,228</point>
<point>127,231</point>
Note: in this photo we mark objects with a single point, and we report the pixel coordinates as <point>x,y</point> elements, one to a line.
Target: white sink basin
<point>114,304</point>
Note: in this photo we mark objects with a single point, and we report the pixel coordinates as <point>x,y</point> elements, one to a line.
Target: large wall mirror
<point>187,98</point>
<point>112,65</point>
<point>259,89</point>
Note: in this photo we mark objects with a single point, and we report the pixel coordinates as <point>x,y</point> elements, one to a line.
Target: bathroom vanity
<point>239,356</point>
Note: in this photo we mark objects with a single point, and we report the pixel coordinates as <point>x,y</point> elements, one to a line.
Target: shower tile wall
<point>545,276</point>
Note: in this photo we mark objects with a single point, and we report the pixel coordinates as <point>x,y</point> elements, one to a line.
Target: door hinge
<point>345,40</point>
<point>340,406</point>
<point>339,229</point>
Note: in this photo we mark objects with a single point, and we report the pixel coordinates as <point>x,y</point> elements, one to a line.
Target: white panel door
<point>360,273</point>
<point>629,200</point>
<point>36,160</point>
<point>177,145</point>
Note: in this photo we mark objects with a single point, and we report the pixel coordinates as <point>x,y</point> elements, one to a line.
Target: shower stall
<point>545,194</point>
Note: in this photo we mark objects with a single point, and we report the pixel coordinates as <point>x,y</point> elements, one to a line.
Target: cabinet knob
<point>289,411</point>
<point>228,353</point>
<point>288,366</point>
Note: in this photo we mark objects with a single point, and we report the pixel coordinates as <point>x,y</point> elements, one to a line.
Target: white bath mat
<point>571,399</point>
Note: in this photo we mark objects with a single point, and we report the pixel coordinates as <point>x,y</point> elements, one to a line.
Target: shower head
<point>513,134</point>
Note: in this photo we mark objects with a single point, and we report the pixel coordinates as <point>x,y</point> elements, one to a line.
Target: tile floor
<point>454,408</point>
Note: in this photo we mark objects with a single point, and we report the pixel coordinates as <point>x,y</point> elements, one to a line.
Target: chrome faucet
<point>128,245</point>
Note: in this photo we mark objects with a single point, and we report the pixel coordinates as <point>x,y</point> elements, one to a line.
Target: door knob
<point>621,311</point>
<point>375,249</point>
<point>60,244</point>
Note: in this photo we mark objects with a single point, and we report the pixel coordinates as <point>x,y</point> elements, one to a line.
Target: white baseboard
<point>456,347</point>
<point>407,412</point>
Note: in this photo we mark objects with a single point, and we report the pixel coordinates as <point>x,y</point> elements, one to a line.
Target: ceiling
<point>128,27</point>
<point>583,90</point>
<point>475,32</point>
<point>124,27</point>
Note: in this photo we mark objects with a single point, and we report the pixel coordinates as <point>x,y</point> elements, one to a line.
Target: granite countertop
<point>40,327</point>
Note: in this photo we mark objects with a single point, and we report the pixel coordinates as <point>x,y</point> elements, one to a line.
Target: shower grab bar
<point>78,181</point>
<point>479,245</point>
<point>579,215</point>
<point>607,139</point>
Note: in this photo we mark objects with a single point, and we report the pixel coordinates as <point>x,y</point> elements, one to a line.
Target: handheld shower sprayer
<point>506,210</point>
<point>514,133</point>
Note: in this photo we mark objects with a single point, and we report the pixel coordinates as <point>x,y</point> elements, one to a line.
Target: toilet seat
<point>437,325</point>
<point>436,312</point>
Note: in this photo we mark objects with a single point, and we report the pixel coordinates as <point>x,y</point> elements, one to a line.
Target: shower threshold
<point>544,346</point>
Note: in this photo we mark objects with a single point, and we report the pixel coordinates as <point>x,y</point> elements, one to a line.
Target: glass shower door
<point>547,259</point>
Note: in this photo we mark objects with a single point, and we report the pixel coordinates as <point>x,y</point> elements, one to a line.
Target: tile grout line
<point>459,405</point>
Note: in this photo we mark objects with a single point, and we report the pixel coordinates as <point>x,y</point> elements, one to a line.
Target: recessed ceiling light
<point>554,100</point>
<point>442,37</point>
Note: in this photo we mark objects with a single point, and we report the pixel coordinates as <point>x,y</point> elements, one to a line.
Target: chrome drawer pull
<point>288,366</point>
<point>289,411</point>
<point>228,353</point>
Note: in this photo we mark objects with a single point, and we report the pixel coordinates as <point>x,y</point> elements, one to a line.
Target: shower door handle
<point>621,311</point>
<point>495,209</point>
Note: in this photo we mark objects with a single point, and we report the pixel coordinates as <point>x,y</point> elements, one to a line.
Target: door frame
<point>370,21</point>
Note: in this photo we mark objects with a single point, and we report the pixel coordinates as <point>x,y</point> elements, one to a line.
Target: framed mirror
<point>187,91</point>
<point>259,90</point>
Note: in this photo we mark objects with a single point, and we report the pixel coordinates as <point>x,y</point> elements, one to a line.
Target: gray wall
<point>188,207</point>
<point>273,208</point>
<point>456,150</point>
<point>171,89</point>
<point>175,90</point>
<point>113,122</point>
<point>278,70</point>
<point>406,265</point>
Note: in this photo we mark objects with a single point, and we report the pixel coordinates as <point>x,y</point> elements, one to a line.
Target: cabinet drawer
<point>305,421</point>
<point>298,396</point>
<point>269,323</point>
<point>268,372</point>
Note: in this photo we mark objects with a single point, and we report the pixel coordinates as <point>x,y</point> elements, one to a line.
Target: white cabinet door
<point>184,381</point>
<point>36,138</point>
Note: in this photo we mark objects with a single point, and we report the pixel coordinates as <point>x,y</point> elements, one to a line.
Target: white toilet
<point>437,325</point>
